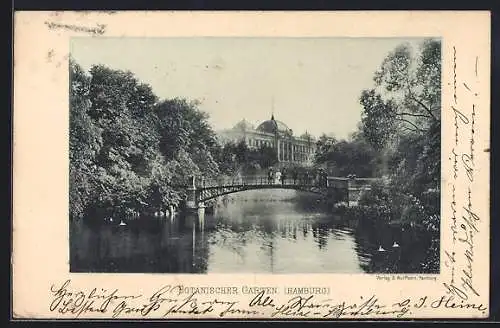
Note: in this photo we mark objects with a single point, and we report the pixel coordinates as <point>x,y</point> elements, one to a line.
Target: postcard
<point>251,165</point>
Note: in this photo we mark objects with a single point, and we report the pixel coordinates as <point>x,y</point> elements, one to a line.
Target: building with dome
<point>275,134</point>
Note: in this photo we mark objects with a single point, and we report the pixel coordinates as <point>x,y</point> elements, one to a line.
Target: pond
<point>260,231</point>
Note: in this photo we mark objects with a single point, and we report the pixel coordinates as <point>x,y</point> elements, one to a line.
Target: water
<point>266,231</point>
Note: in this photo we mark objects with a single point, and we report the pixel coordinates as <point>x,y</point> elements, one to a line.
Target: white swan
<point>395,244</point>
<point>122,223</point>
<point>380,249</point>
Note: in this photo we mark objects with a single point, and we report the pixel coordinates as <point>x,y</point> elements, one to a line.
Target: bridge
<point>338,189</point>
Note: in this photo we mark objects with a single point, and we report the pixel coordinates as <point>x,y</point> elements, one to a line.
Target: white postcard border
<point>40,189</point>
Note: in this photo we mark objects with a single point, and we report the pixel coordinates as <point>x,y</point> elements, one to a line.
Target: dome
<point>270,126</point>
<point>243,125</point>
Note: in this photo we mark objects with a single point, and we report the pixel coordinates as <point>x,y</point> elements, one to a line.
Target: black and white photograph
<point>275,155</point>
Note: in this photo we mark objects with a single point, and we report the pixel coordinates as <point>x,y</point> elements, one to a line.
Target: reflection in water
<point>256,231</point>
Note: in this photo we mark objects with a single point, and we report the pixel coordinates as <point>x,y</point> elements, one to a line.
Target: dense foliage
<point>402,120</point>
<point>130,151</point>
<point>346,157</point>
<point>238,158</point>
<point>399,139</point>
<point>399,133</point>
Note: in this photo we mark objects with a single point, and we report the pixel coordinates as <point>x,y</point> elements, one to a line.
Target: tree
<point>324,146</point>
<point>123,108</point>
<point>183,127</point>
<point>226,158</point>
<point>401,119</point>
<point>406,98</point>
<point>344,157</point>
<point>84,143</point>
<point>174,130</point>
<point>266,156</point>
<point>378,119</point>
<point>128,150</point>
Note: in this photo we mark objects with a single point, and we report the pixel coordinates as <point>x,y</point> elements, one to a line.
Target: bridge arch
<point>206,195</point>
<point>339,189</point>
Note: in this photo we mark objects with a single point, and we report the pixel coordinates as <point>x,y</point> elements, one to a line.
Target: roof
<point>272,125</point>
<point>243,125</point>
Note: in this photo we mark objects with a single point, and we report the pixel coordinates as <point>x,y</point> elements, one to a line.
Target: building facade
<point>275,134</point>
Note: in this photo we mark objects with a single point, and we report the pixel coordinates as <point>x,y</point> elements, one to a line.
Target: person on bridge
<point>324,179</point>
<point>295,176</point>
<point>283,176</point>
<point>270,175</point>
<point>277,176</point>
<point>307,178</point>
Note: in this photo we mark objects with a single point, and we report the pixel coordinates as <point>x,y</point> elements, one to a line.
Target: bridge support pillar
<point>191,201</point>
<point>201,214</point>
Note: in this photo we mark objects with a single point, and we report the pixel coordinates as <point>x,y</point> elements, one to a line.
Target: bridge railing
<point>256,181</point>
<point>362,182</point>
<point>332,182</point>
<point>352,183</point>
<point>338,182</point>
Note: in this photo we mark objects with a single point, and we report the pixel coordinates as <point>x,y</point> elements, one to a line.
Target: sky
<point>311,84</point>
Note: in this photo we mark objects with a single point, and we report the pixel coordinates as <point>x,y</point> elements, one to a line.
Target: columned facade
<point>274,134</point>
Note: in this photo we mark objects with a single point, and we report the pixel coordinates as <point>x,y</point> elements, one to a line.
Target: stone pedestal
<point>191,199</point>
<point>191,202</point>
